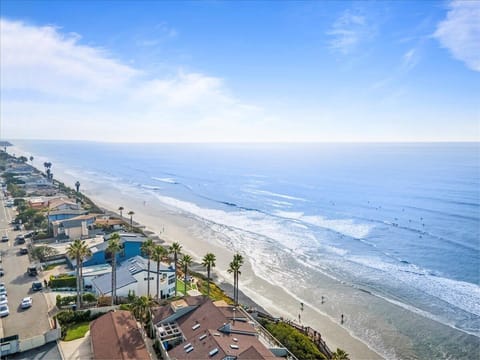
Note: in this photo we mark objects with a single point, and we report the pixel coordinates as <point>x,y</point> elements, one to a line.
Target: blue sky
<point>240,71</point>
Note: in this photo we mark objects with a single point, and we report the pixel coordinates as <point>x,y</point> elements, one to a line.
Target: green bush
<point>65,281</point>
<point>127,307</point>
<point>295,341</point>
<point>67,300</point>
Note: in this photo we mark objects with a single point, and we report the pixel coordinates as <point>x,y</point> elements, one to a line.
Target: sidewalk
<point>79,349</point>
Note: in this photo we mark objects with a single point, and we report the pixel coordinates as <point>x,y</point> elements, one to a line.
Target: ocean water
<point>395,227</point>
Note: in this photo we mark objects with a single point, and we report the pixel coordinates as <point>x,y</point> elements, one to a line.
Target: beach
<point>356,262</point>
<point>197,238</point>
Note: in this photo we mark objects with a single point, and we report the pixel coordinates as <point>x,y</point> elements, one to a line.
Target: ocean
<point>388,234</point>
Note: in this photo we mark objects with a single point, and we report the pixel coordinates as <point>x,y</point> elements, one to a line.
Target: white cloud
<point>348,31</point>
<point>43,60</point>
<point>460,32</point>
<point>54,87</point>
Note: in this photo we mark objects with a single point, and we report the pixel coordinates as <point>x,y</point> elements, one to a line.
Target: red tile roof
<point>115,335</point>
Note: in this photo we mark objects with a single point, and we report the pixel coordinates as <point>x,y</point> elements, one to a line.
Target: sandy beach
<point>197,237</point>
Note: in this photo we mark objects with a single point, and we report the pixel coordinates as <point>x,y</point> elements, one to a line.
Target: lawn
<point>77,331</point>
<point>181,286</point>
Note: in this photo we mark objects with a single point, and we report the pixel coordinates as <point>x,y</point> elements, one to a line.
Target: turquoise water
<point>398,221</point>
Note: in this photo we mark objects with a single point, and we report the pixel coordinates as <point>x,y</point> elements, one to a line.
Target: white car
<point>26,302</point>
<point>3,300</point>
<point>4,311</point>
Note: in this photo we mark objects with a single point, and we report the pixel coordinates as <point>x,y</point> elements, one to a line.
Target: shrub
<point>299,344</point>
<point>104,301</point>
<point>63,281</point>
<point>125,307</point>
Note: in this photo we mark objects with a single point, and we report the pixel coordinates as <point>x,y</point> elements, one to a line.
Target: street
<point>29,322</point>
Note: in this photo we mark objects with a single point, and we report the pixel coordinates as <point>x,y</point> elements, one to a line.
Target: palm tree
<point>185,262</point>
<point>340,355</point>
<point>131,213</point>
<point>141,309</point>
<point>176,250</point>
<point>77,185</point>
<point>158,254</point>
<point>31,159</point>
<point>147,250</point>
<point>234,268</point>
<point>79,251</point>
<point>121,209</point>
<point>113,248</point>
<point>209,262</point>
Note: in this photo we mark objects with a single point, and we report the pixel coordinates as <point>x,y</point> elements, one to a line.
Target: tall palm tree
<point>31,159</point>
<point>147,250</point>
<point>209,263</point>
<point>234,268</point>
<point>77,185</point>
<point>141,309</point>
<point>121,208</point>
<point>79,251</point>
<point>175,249</point>
<point>159,253</point>
<point>131,213</point>
<point>185,262</point>
<point>113,248</point>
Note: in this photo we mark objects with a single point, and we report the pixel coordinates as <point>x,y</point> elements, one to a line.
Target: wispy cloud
<point>51,84</point>
<point>409,60</point>
<point>348,31</point>
<point>161,33</point>
<point>460,32</point>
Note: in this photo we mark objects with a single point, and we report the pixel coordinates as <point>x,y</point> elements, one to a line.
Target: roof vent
<point>235,339</point>
<point>213,352</point>
<point>195,327</point>
<point>188,345</point>
<point>202,337</point>
<point>189,349</point>
<point>233,346</point>
<point>216,334</point>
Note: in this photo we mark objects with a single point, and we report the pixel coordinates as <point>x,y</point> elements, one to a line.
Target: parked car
<point>28,234</point>
<point>4,310</point>
<point>26,302</point>
<point>32,270</point>
<point>3,300</point>
<point>23,251</point>
<point>20,239</point>
<point>37,285</point>
<point>2,272</point>
<point>4,238</point>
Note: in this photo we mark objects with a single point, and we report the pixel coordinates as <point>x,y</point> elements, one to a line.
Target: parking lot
<point>25,323</point>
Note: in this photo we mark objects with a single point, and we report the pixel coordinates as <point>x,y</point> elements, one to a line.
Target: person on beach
<point>341,319</point>
<point>323,299</point>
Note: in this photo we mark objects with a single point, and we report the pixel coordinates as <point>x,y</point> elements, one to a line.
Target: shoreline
<point>195,235</point>
<point>170,225</point>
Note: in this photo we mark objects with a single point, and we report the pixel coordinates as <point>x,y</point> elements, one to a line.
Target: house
<point>116,335</point>
<point>131,246</point>
<point>91,272</point>
<point>197,328</point>
<point>65,214</point>
<point>106,222</point>
<point>74,228</point>
<point>62,204</point>
<point>132,276</point>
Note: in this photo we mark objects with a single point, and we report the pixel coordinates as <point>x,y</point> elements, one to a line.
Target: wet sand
<point>197,238</point>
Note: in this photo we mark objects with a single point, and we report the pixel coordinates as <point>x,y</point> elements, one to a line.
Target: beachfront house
<point>116,335</point>
<point>132,276</point>
<point>73,228</point>
<point>197,328</point>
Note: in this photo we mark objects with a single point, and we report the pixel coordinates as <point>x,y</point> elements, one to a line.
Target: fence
<point>11,345</point>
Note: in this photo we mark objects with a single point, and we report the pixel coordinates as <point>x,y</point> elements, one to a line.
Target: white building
<point>132,276</point>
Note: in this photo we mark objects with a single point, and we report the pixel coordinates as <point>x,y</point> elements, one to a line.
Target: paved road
<point>48,351</point>
<point>30,322</point>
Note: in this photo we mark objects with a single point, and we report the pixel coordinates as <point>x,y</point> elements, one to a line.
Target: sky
<point>240,71</point>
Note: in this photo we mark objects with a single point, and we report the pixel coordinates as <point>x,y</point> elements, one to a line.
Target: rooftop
<point>115,335</point>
